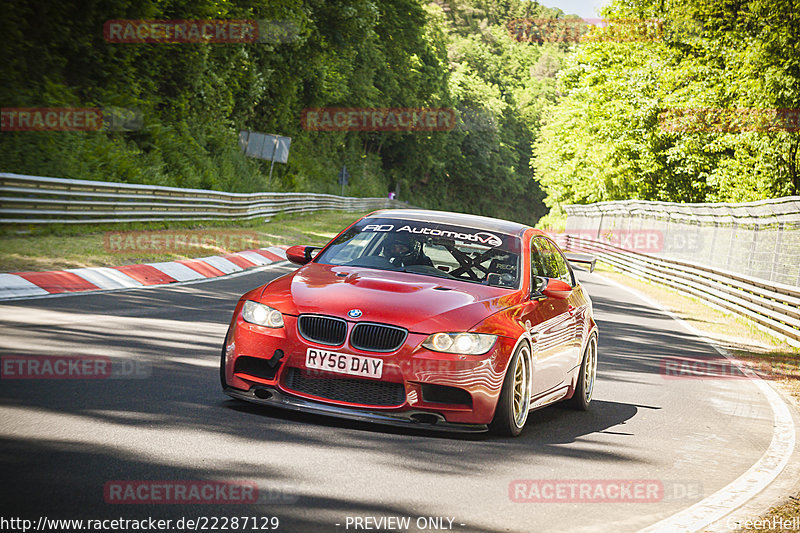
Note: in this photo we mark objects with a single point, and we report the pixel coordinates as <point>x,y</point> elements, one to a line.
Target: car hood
<point>421,304</point>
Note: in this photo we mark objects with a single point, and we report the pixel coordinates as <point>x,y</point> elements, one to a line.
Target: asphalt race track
<point>63,441</point>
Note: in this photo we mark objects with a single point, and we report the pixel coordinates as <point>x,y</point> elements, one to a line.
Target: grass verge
<point>765,353</point>
<point>125,244</point>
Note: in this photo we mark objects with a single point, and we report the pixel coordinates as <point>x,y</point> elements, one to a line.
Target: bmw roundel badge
<point>354,313</point>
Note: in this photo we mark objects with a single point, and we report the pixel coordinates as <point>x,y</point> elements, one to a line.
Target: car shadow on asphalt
<point>59,479</point>
<point>547,431</point>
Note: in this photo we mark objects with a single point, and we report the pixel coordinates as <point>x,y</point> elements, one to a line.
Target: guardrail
<point>773,305</point>
<point>757,239</point>
<point>39,200</point>
<point>761,212</point>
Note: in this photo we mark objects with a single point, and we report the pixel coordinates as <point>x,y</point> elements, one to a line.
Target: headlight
<point>261,314</point>
<point>460,343</point>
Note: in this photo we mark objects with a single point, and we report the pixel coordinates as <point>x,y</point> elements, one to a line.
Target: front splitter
<point>279,399</point>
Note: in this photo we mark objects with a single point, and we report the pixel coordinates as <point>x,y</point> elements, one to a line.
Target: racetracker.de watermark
<point>648,241</point>
<point>181,31</point>
<point>728,120</point>
<point>193,492</point>
<point>179,242</point>
<point>419,367</point>
<point>714,368</point>
<point>541,30</point>
<point>210,31</point>
<point>637,240</point>
<point>69,119</point>
<point>378,119</point>
<point>72,367</point>
<point>602,490</point>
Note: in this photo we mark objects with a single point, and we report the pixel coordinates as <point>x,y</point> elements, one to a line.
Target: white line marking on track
<point>758,477</point>
<point>194,362</point>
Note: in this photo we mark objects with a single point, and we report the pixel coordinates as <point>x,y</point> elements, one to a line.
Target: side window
<point>539,255</point>
<point>564,272</point>
<point>538,259</point>
<point>552,262</point>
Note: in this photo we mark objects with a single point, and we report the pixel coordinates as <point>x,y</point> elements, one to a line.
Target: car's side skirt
<point>547,399</point>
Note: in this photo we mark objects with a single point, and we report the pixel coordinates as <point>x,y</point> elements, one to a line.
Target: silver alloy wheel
<point>590,370</point>
<point>522,386</point>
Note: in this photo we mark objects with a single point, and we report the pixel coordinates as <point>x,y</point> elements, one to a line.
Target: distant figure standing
<point>391,195</point>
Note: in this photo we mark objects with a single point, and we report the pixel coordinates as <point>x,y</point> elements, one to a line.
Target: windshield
<point>429,249</point>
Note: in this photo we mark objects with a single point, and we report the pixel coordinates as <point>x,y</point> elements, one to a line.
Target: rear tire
<point>588,374</point>
<point>515,396</point>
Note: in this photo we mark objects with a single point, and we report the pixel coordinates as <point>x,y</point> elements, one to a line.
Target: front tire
<point>588,374</point>
<point>515,396</point>
<point>222,366</point>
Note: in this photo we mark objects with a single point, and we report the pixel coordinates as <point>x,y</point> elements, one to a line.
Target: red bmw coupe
<point>418,318</point>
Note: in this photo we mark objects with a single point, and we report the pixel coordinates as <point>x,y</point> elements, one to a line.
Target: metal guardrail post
<point>734,228</point>
<point>713,241</point>
<point>751,254</point>
<point>600,226</point>
<point>776,251</point>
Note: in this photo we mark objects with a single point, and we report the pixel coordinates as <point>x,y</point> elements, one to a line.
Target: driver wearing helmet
<point>403,250</point>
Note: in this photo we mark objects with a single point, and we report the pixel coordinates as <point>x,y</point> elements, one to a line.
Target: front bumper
<point>273,397</point>
<point>411,367</point>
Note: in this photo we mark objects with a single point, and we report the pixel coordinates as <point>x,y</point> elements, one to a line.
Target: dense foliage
<point>194,98</point>
<point>589,112</point>
<point>685,117</point>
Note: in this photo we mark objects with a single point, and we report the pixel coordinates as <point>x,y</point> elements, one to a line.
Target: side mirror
<point>299,255</point>
<point>585,259</point>
<point>557,289</point>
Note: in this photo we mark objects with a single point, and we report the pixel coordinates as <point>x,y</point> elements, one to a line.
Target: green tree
<point>609,136</point>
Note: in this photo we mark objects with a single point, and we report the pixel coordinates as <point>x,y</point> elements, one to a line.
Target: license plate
<point>344,363</point>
